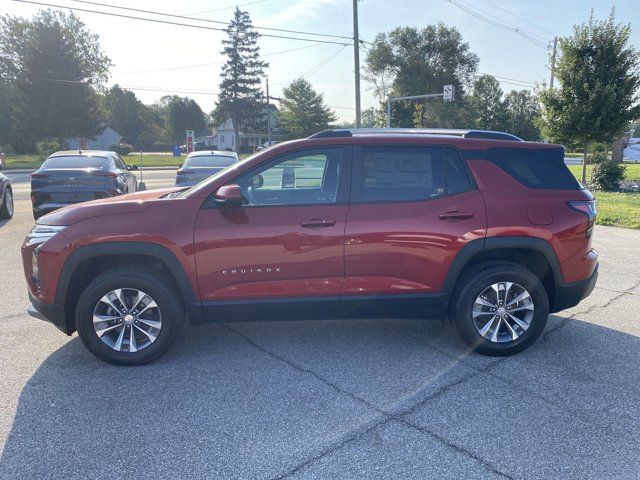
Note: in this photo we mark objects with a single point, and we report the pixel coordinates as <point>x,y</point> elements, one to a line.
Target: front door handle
<point>455,215</point>
<point>317,223</point>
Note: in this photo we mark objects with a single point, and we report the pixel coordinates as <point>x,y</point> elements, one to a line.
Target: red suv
<point>480,227</point>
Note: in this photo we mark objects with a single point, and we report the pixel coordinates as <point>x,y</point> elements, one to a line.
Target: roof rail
<point>449,132</point>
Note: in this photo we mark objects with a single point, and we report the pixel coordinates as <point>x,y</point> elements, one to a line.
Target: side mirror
<point>180,166</point>
<point>229,196</point>
<point>132,167</point>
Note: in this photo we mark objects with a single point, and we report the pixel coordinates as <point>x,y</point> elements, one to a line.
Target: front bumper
<point>52,313</point>
<point>570,294</point>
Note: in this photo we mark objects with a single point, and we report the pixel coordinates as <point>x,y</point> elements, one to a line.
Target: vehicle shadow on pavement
<point>332,399</point>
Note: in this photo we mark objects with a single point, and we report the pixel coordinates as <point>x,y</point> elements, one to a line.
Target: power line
<point>485,17</point>
<point>518,17</point>
<point>164,90</point>
<point>213,63</point>
<point>167,22</point>
<point>172,15</point>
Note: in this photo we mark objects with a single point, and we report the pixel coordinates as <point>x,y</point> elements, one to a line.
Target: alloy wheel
<point>503,312</point>
<point>127,320</point>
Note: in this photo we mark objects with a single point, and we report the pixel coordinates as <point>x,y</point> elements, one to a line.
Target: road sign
<point>448,93</point>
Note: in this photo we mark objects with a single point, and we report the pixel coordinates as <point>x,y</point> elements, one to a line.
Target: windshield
<point>209,161</point>
<point>76,161</point>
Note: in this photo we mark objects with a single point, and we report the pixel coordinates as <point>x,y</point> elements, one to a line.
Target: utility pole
<point>356,59</point>
<point>553,61</point>
<point>268,116</point>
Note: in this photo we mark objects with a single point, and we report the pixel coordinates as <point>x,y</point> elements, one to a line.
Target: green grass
<point>616,209</point>
<point>23,161</point>
<point>633,171</point>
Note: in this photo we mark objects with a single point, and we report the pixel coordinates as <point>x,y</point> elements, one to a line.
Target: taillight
<point>589,209</point>
<point>107,174</point>
<point>39,175</point>
<point>184,172</point>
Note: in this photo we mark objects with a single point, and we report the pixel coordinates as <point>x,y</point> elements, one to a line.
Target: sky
<point>154,59</point>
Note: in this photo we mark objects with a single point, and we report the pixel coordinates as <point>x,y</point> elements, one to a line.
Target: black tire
<point>473,282</point>
<point>6,212</point>
<point>157,286</point>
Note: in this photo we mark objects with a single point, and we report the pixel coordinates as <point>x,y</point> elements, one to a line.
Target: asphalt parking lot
<point>326,399</point>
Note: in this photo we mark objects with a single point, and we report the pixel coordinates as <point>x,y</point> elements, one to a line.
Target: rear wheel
<point>6,211</point>
<point>129,316</point>
<point>500,309</point>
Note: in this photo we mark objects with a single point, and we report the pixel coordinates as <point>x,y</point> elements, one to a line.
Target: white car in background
<point>200,165</point>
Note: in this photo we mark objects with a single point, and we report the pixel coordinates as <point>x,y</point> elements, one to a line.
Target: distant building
<point>102,141</point>
<point>223,137</point>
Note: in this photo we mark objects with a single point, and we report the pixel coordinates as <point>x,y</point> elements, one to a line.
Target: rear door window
<point>535,167</point>
<point>399,174</point>
<point>457,178</point>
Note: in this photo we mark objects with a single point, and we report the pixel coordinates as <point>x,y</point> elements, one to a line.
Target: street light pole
<point>356,59</point>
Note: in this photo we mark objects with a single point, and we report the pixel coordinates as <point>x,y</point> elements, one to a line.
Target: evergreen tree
<point>599,76</point>
<point>303,111</point>
<point>240,97</point>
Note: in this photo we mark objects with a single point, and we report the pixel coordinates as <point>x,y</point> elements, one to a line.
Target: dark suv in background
<point>480,227</point>
<point>77,176</point>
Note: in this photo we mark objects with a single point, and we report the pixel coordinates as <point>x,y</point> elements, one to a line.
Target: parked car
<point>492,233</point>
<point>200,165</point>
<point>6,198</point>
<point>79,176</point>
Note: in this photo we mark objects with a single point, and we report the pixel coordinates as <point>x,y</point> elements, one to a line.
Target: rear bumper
<point>570,294</point>
<point>52,313</point>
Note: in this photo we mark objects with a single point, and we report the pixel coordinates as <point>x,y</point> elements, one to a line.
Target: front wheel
<point>129,316</point>
<point>6,211</point>
<point>500,309</point>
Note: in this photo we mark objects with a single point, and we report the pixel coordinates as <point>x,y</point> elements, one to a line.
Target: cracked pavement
<point>328,399</point>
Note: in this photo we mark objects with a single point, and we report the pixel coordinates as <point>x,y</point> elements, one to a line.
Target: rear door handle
<point>317,223</point>
<point>455,215</point>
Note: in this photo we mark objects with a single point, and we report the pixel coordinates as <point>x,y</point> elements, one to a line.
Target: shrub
<point>599,147</point>
<point>122,148</point>
<point>606,174</point>
<point>45,148</point>
<point>8,149</point>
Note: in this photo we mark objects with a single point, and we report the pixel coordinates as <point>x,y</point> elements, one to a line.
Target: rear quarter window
<point>535,167</point>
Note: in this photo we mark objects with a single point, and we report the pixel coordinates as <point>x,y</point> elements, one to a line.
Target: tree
<point>180,114</point>
<point>56,68</point>
<point>125,114</point>
<point>486,106</point>
<point>303,111</point>
<point>599,76</point>
<point>240,95</point>
<point>523,111</point>
<point>408,61</point>
<point>369,118</point>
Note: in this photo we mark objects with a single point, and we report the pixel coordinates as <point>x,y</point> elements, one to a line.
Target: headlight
<point>42,233</point>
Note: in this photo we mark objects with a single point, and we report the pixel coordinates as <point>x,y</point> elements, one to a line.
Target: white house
<point>102,141</point>
<point>223,137</point>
